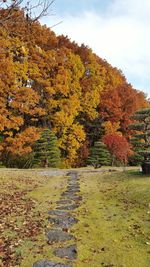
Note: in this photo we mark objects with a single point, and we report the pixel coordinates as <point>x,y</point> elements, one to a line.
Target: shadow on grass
<point>136,174</point>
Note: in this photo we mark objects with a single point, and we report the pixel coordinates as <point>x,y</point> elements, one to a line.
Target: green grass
<point>26,199</point>
<point>114,218</point>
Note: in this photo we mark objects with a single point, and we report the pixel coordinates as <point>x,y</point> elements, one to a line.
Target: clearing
<point>109,218</point>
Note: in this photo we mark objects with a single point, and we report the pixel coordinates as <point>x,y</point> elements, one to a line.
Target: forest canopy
<point>50,82</point>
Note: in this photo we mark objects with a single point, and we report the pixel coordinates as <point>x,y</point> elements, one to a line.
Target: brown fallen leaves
<point>19,222</point>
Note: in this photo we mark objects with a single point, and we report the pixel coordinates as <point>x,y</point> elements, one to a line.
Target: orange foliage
<point>49,81</point>
<point>118,146</point>
<point>21,144</point>
<point>120,103</point>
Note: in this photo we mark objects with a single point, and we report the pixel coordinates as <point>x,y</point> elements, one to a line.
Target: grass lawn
<point>26,198</point>
<point>114,227</point>
<point>114,218</point>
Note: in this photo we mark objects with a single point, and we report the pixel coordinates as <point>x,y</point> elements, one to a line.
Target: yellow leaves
<point>70,141</point>
<point>68,110</point>
<point>111,127</point>
<point>39,49</point>
<point>7,133</point>
<point>1,147</point>
<point>58,77</point>
<point>92,85</point>
<point>20,70</point>
<point>33,70</point>
<point>71,105</point>
<point>61,119</point>
<point>90,102</point>
<point>51,104</point>
<point>24,50</point>
<point>63,89</point>
<point>78,132</point>
<point>69,71</point>
<point>49,90</point>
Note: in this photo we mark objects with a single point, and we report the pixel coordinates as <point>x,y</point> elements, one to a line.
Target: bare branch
<point>45,6</point>
<point>10,6</point>
<point>54,25</point>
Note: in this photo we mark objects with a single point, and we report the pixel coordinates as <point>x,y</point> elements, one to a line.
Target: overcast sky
<point>116,30</point>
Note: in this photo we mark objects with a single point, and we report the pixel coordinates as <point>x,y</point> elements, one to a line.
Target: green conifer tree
<point>99,155</point>
<point>46,151</point>
<point>141,137</point>
<point>142,134</point>
<point>136,159</point>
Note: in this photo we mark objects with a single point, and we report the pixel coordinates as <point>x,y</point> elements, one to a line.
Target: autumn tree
<point>16,150</point>
<point>50,82</point>
<point>18,101</point>
<point>110,106</point>
<point>58,82</point>
<point>111,127</point>
<point>118,147</point>
<point>118,104</point>
<point>9,7</point>
<point>83,154</point>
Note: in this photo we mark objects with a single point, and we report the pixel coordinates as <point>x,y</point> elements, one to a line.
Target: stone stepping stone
<point>72,174</point>
<point>68,207</point>
<point>74,197</point>
<point>73,191</point>
<point>69,190</point>
<point>59,213</point>
<point>68,194</point>
<point>58,236</point>
<point>73,182</point>
<point>45,263</point>
<point>65,222</point>
<point>68,252</point>
<point>64,201</point>
<point>73,186</point>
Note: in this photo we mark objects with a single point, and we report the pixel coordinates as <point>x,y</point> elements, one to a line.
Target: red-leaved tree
<point>118,146</point>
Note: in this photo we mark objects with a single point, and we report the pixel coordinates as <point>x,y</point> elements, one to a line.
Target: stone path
<point>62,220</point>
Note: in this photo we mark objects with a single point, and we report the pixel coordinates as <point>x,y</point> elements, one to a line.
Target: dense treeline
<point>51,82</point>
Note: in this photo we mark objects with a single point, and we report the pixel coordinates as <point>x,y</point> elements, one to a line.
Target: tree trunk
<point>113,160</point>
<point>146,167</point>
<point>46,163</point>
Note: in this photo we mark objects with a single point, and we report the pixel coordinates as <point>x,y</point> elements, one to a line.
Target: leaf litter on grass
<point>25,200</point>
<point>113,226</point>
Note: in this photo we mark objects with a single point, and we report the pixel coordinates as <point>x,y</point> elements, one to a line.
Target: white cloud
<point>120,35</point>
